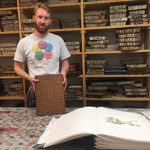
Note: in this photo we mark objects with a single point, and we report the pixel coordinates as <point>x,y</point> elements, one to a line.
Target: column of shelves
<point>7,79</point>
<point>107,3</point>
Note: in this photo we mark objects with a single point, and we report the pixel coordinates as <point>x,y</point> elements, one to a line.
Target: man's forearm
<point>18,68</point>
<point>22,73</point>
<point>64,67</point>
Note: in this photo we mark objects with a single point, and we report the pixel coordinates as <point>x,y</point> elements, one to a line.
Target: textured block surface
<point>50,95</point>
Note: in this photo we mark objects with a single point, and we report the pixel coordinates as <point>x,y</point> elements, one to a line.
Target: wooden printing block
<point>137,7</point>
<point>50,95</point>
<point>128,31</point>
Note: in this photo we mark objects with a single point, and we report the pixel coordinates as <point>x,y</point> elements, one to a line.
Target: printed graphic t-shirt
<point>41,54</point>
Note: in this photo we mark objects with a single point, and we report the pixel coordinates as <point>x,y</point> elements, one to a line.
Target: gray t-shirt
<point>42,54</point>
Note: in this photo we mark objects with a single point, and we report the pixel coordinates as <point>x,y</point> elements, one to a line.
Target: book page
<point>146,113</point>
<point>123,124</point>
<point>80,122</point>
<point>116,143</point>
<point>51,124</point>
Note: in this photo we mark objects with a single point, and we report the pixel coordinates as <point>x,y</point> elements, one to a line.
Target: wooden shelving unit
<point>81,6</point>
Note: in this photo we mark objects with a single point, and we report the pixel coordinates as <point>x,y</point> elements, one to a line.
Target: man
<point>42,51</point>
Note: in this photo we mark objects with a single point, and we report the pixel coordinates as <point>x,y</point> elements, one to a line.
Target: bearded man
<point>43,52</point>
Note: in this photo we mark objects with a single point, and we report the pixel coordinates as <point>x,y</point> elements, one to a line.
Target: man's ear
<point>33,18</point>
<point>50,21</point>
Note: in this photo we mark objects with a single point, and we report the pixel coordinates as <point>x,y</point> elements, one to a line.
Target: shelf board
<point>91,28</point>
<point>118,52</point>
<point>64,30</point>
<point>11,8</point>
<point>57,30</point>
<point>27,7</point>
<point>114,98</point>
<point>65,5</point>
<point>117,27</point>
<point>75,53</point>
<point>110,1</point>
<point>54,5</point>
<point>7,55</point>
<point>79,99</point>
<point>10,77</point>
<point>11,98</point>
<point>29,31</point>
<point>10,32</point>
<point>118,76</point>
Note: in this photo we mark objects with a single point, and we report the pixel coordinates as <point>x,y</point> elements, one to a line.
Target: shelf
<point>11,8</point>
<point>75,53</point>
<point>58,30</point>
<point>65,30</point>
<point>65,5</point>
<point>120,76</point>
<point>8,55</point>
<point>118,52</point>
<point>120,98</point>
<point>11,98</point>
<point>10,32</point>
<point>110,2</point>
<point>27,7</point>
<point>117,27</point>
<point>54,5</point>
<point>79,99</point>
<point>10,77</point>
<point>79,29</point>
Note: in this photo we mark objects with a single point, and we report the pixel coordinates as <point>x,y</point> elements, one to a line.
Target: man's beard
<point>41,30</point>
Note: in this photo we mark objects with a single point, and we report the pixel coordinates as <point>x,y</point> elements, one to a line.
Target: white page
<point>146,113</point>
<point>110,139</point>
<point>138,131</point>
<point>47,130</point>
<point>121,145</point>
<point>80,122</point>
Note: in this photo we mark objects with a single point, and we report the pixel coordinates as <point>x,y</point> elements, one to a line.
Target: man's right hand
<point>33,81</point>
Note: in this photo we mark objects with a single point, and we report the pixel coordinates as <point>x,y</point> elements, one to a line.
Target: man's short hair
<point>42,5</point>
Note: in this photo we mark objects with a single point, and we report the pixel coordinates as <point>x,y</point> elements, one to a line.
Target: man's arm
<point>18,67</point>
<point>63,70</point>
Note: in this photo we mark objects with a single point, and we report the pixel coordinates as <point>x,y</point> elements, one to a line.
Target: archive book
<point>113,129</point>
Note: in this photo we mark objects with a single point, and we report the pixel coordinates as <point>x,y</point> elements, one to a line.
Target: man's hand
<point>33,81</point>
<point>64,69</point>
<point>18,67</point>
<point>64,82</point>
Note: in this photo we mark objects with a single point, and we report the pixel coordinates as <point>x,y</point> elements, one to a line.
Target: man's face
<point>42,20</point>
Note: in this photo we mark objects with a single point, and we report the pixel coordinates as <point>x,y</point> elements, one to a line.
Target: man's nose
<point>42,20</point>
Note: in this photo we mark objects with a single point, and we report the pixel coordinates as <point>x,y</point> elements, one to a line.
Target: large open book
<point>113,129</point>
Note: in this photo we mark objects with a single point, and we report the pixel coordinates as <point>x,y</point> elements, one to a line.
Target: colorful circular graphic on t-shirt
<point>36,49</point>
<point>49,47</point>
<point>43,51</point>
<point>39,55</point>
<point>42,44</point>
<point>48,55</point>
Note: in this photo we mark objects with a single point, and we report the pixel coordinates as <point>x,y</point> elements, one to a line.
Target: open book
<point>113,129</point>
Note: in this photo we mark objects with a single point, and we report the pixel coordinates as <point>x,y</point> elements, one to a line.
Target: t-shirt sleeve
<point>19,54</point>
<point>64,53</point>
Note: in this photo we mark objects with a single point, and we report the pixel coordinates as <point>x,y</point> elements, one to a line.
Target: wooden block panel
<point>49,95</point>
